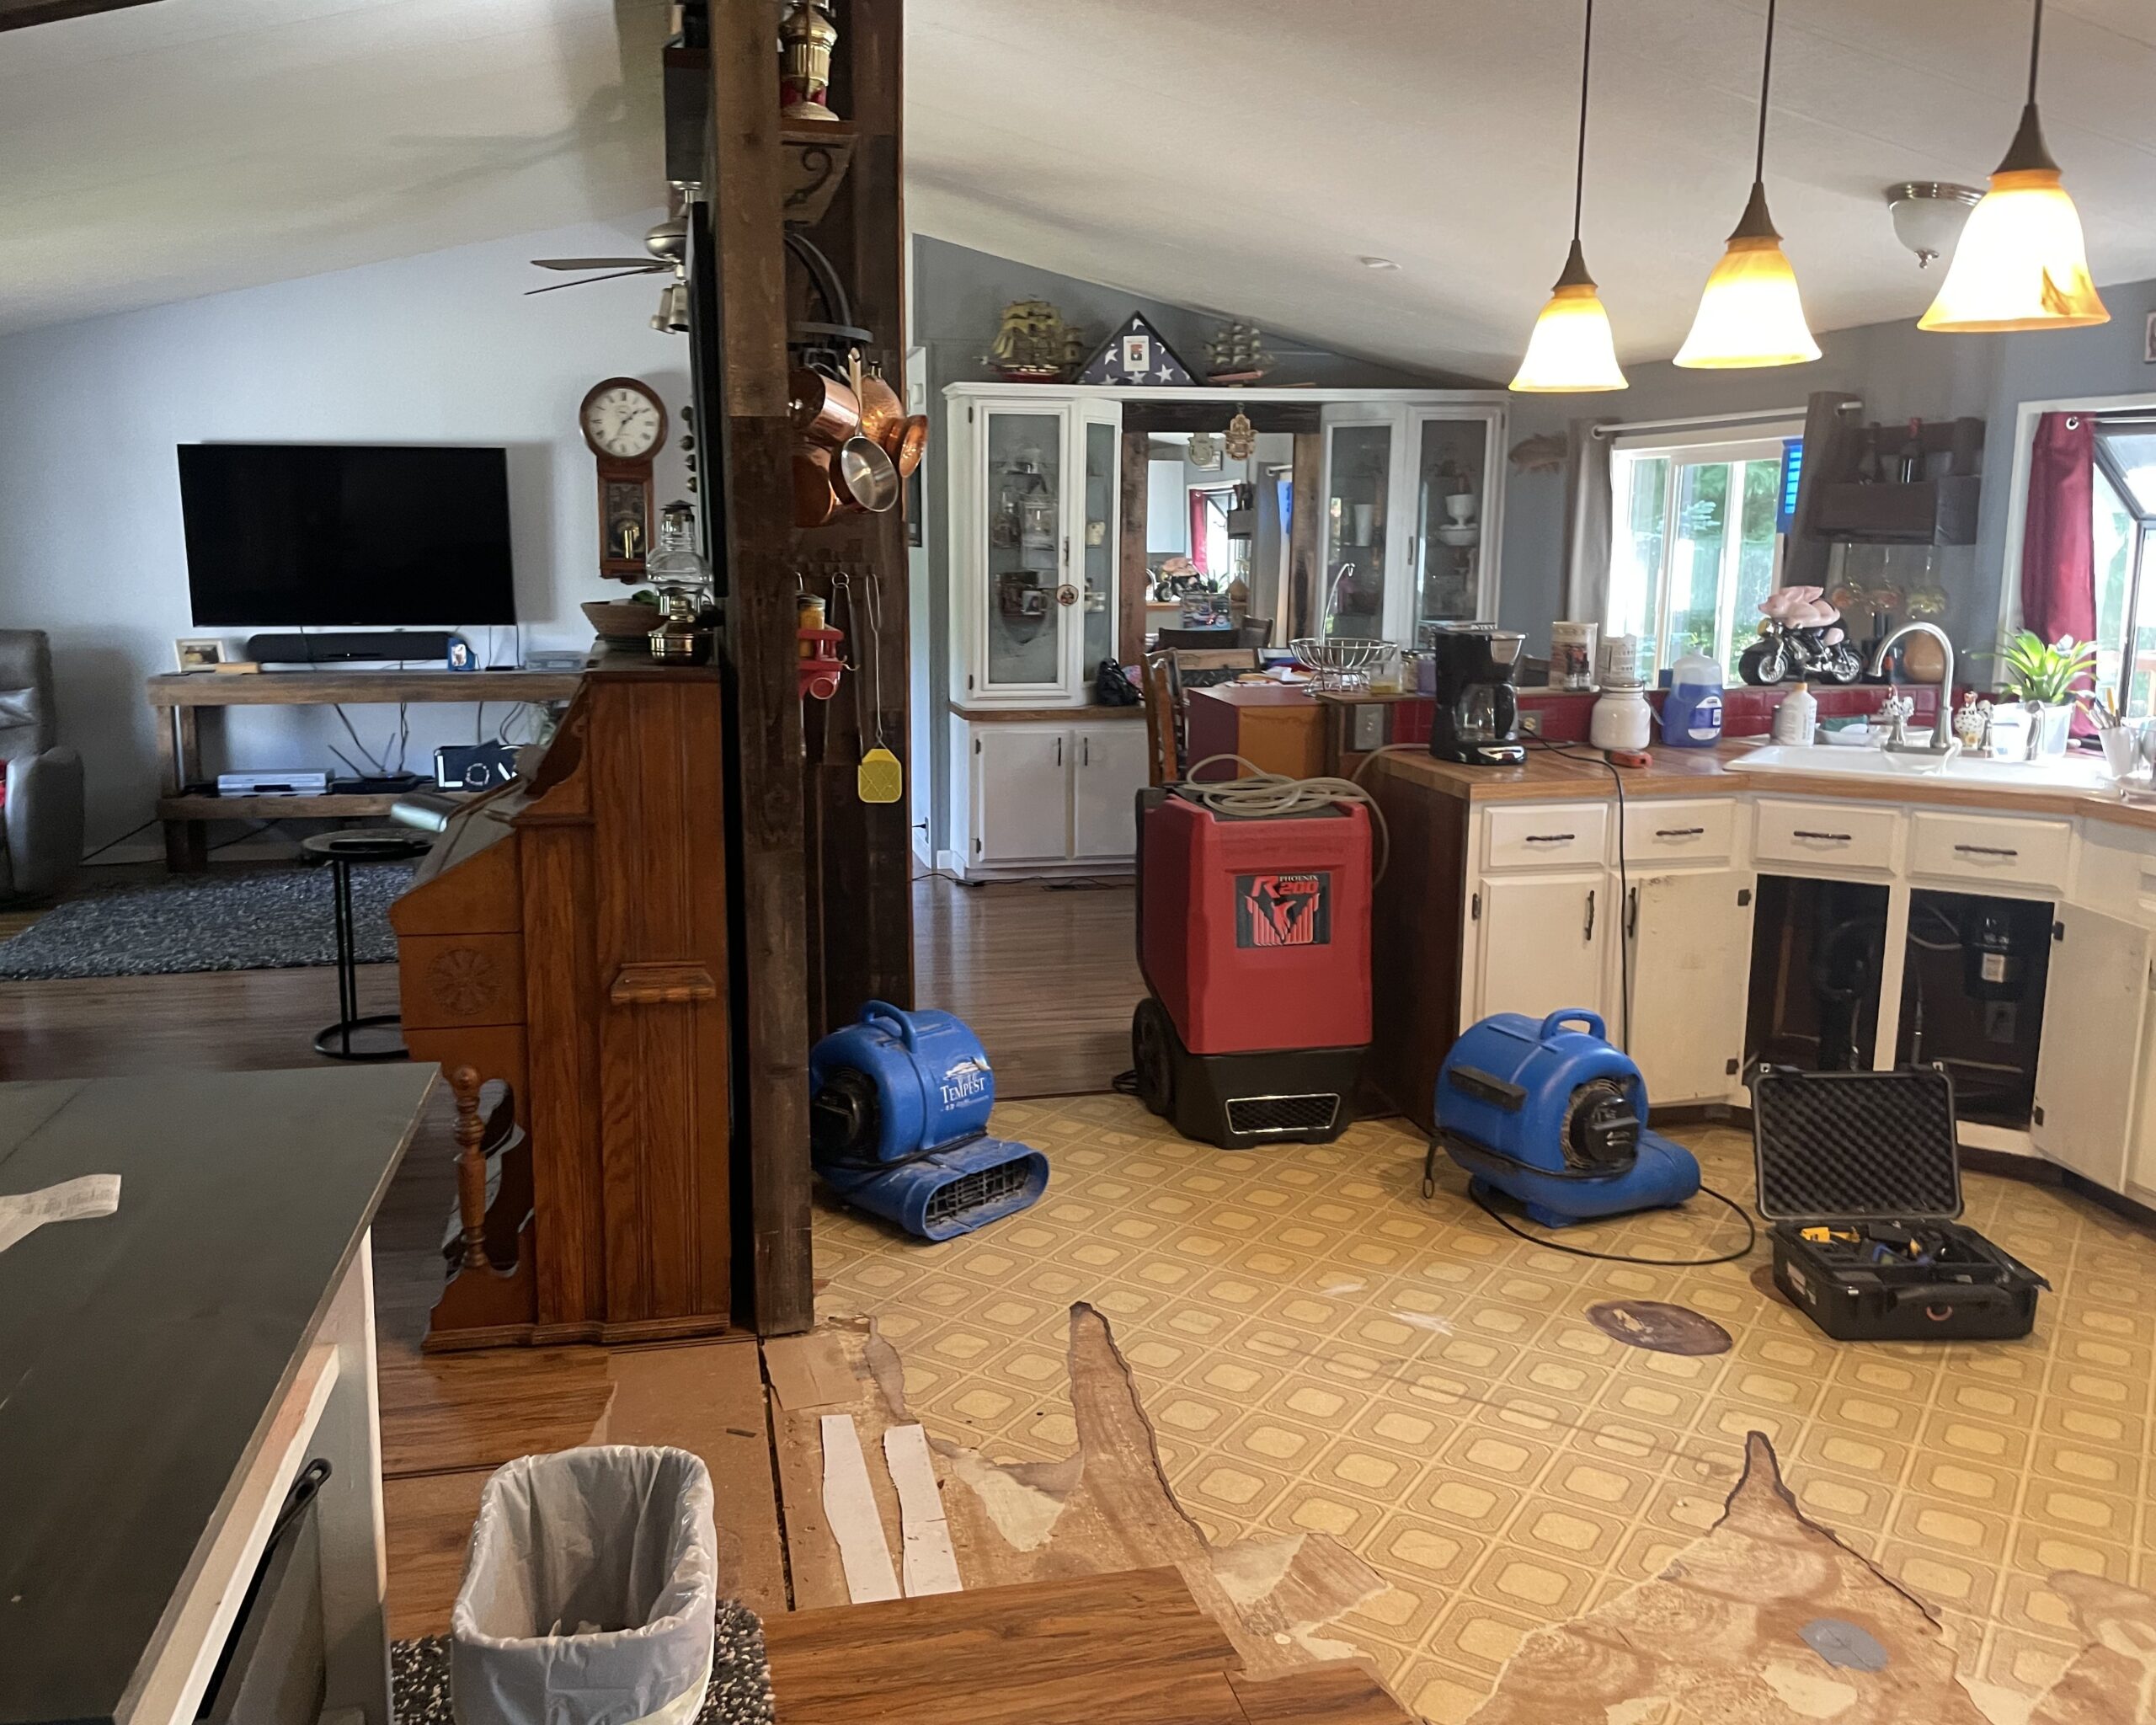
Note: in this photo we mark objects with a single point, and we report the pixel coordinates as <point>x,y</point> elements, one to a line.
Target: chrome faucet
<point>1943,741</point>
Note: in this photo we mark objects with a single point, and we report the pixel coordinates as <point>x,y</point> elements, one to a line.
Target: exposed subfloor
<point>1321,1350</point>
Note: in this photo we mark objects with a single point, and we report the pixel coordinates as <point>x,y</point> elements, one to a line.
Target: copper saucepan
<point>823,410</point>
<point>908,443</point>
<point>882,412</point>
<point>815,501</point>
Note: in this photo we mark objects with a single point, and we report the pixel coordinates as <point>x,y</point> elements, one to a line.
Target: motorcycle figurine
<point>1799,637</point>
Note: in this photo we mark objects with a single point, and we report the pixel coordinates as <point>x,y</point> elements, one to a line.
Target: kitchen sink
<point>1825,760</point>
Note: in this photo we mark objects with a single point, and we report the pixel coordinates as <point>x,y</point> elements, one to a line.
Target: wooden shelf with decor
<point>1836,506</point>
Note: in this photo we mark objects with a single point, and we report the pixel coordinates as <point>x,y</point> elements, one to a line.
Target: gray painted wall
<point>957,300</point>
<point>1900,372</point>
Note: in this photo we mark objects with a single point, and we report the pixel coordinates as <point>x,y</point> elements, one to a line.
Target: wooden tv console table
<point>177,699</point>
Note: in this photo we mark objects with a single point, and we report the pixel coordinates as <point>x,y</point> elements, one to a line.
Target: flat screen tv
<point>346,536</point>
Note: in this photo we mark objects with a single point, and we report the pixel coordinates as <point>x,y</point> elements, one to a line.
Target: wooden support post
<point>755,442</point>
<point>1131,585</point>
<point>1306,570</point>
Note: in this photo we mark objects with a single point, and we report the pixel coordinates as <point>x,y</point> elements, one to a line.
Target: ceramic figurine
<point>1971,721</point>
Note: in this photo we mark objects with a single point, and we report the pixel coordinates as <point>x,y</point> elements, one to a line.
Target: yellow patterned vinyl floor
<point>1320,1349</point>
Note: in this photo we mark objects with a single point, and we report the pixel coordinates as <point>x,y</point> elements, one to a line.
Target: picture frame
<point>195,653</point>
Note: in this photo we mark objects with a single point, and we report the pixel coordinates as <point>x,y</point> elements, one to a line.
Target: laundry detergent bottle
<point>1691,712</point>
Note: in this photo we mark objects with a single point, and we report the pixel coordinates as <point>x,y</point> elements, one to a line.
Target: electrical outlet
<point>1367,728</point>
<point>1530,722</point>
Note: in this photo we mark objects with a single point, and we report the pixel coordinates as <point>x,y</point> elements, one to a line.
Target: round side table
<point>340,851</point>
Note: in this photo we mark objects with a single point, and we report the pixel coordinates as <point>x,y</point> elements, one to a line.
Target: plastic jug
<point>1691,712</point>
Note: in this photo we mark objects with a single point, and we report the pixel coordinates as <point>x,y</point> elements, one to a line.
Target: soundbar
<point>351,646</point>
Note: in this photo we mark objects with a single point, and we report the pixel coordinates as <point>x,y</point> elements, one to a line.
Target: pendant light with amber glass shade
<point>1750,313</point>
<point>2021,263</point>
<point>1571,348</point>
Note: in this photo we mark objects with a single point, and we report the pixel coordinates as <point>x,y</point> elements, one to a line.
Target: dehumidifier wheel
<point>1150,1057</point>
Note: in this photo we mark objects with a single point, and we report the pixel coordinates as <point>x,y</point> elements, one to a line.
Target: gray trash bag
<point>589,1591</point>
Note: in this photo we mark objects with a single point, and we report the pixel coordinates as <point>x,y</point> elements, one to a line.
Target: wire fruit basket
<point>1339,663</point>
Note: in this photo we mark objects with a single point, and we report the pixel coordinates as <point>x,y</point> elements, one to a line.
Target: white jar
<point>1797,716</point>
<point>1621,719</point>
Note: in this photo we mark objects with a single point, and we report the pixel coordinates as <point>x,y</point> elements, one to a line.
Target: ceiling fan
<point>668,244</point>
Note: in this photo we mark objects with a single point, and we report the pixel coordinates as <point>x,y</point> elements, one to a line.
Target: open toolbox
<point>1860,1178</point>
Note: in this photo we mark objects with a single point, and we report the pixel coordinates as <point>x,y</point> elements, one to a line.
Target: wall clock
<point>624,425</point>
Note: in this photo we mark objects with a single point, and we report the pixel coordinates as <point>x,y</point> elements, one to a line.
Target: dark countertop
<point>142,1355</point>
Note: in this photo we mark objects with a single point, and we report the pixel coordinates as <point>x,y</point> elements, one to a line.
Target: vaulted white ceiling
<point>181,149</point>
<point>1235,155</point>
<point>1239,155</point>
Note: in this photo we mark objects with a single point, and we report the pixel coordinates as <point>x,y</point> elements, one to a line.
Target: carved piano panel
<point>568,937</point>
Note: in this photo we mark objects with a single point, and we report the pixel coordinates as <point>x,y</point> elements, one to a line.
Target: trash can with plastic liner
<point>589,1589</point>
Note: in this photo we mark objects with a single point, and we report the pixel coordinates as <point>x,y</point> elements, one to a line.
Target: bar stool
<point>340,851</point>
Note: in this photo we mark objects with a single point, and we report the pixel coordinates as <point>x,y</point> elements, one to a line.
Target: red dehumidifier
<point>1254,941</point>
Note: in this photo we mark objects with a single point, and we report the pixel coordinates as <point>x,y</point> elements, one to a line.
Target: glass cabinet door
<point>1023,487</point>
<point>1358,474</point>
<point>1452,510</point>
<point>1097,535</point>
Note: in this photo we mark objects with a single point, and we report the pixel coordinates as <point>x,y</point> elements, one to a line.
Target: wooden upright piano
<point>567,938</point>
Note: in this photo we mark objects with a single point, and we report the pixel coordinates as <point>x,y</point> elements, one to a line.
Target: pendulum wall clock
<point>624,423</point>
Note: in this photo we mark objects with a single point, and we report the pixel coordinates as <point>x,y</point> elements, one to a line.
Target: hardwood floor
<point>1046,974</point>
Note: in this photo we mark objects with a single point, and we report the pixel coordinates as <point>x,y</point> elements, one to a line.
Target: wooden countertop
<point>1579,772</point>
<point>1264,694</point>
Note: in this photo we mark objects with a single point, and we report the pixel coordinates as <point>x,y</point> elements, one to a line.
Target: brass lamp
<point>806,37</point>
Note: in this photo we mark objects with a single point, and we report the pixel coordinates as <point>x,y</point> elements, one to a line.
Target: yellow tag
<point>880,778</point>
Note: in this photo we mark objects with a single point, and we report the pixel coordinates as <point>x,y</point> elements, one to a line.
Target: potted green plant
<point>2042,676</point>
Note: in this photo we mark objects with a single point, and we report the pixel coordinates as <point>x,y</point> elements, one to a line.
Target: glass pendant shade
<point>1571,348</point>
<point>1750,313</point>
<point>2021,263</point>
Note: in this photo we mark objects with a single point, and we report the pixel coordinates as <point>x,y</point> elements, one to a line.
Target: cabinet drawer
<point>1836,835</point>
<point>1546,835</point>
<point>1989,847</point>
<point>1680,831</point>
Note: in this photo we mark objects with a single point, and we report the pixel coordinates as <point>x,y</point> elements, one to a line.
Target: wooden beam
<point>21,14</point>
<point>771,967</point>
<point>1306,539</point>
<point>1214,415</point>
<point>1131,583</point>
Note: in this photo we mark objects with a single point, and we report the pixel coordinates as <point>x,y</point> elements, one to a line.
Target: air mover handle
<point>1572,1015</point>
<point>891,1018</point>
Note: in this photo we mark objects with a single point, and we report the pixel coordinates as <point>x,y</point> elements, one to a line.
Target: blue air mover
<point>1556,1120</point>
<point>899,1124</point>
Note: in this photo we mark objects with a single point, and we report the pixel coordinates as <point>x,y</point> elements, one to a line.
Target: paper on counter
<point>75,1200</point>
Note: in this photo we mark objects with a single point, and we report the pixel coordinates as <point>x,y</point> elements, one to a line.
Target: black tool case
<point>1869,1159</point>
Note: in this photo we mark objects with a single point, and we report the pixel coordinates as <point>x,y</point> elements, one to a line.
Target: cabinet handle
<point>1059,751</point>
<point>1632,913</point>
<point>1590,914</point>
<point>1084,751</point>
<point>1985,851</point>
<point>1551,838</point>
<point>1831,838</point>
<point>1680,832</point>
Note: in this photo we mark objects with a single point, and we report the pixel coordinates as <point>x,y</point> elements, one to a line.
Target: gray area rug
<point>739,1693</point>
<point>230,919</point>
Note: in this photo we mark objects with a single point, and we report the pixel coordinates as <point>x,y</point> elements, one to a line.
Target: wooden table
<point>167,1370</point>
<point>178,698</point>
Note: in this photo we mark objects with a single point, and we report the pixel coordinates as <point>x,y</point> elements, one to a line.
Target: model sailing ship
<point>1236,355</point>
<point>1033,344</point>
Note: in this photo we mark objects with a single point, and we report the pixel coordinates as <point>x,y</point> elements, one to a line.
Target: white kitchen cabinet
<point>1047,798</point>
<point>1542,943</point>
<point>2095,1009</point>
<point>1412,490</point>
<point>1022,799</point>
<point>1111,768</point>
<point>1688,939</point>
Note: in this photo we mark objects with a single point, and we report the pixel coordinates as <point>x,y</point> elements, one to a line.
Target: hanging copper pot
<point>882,412</point>
<point>813,499</point>
<point>822,409</point>
<point>908,443</point>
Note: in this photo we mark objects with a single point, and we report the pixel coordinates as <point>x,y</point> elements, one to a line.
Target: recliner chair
<point>41,817</point>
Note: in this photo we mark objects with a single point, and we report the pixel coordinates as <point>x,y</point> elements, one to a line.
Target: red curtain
<point>1197,523</point>
<point>2058,552</point>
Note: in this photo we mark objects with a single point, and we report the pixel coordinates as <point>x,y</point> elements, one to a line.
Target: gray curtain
<point>1588,509</point>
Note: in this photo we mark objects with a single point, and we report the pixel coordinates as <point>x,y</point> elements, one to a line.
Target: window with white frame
<point>2124,506</point>
<point>1694,544</point>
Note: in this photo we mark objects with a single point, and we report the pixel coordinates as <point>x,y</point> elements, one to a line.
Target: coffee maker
<point>1477,718</point>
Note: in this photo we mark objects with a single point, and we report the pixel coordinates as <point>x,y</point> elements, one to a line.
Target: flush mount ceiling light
<point>2022,263</point>
<point>1750,313</point>
<point>1929,215</point>
<point>1571,348</point>
<point>1370,263</point>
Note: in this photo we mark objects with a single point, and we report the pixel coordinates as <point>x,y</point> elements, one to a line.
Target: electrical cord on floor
<point>1751,1237</point>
